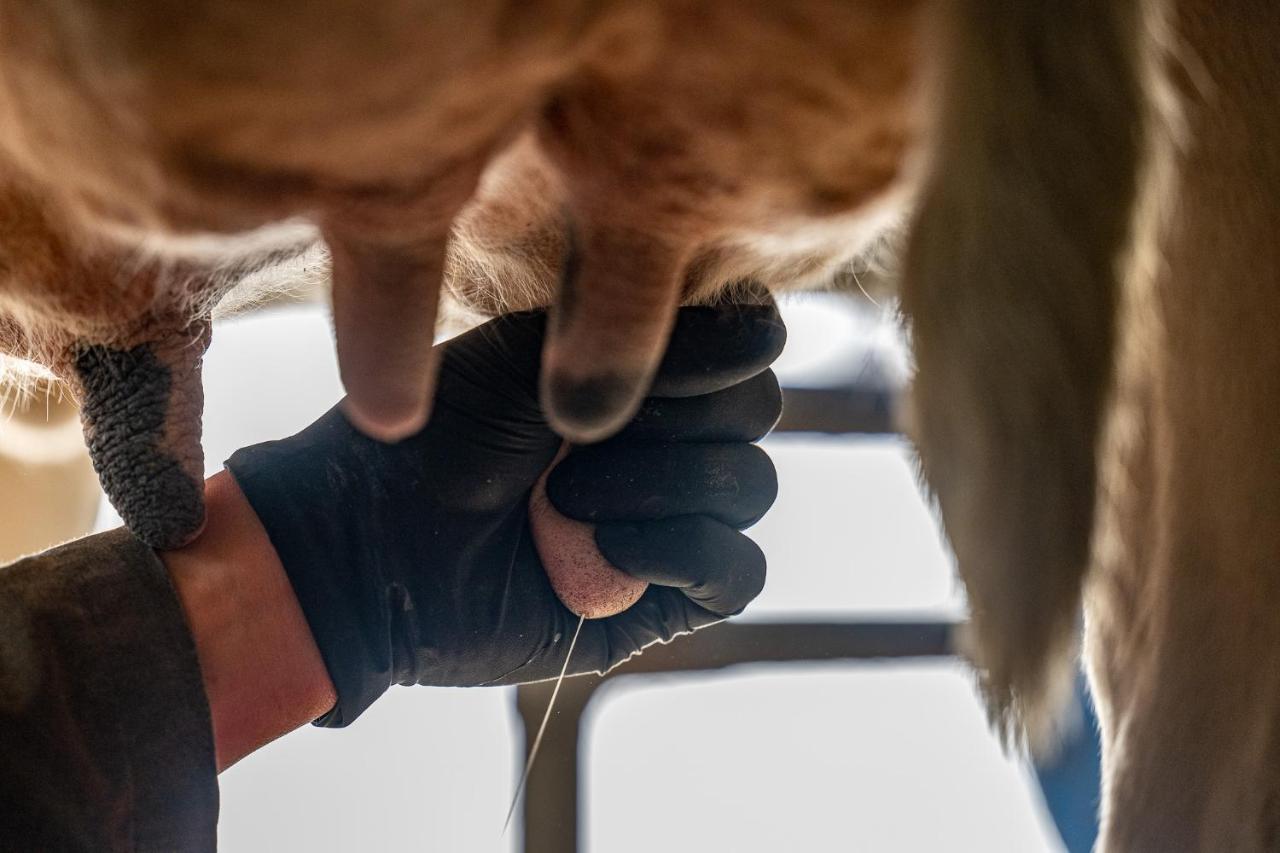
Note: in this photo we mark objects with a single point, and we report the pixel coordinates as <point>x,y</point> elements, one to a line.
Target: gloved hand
<point>414,563</point>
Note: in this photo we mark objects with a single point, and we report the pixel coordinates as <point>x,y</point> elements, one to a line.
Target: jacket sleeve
<point>105,739</point>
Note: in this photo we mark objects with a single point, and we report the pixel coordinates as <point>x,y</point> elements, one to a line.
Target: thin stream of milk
<point>537,741</point>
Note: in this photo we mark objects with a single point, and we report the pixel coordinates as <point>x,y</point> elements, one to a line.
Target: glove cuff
<point>302,489</point>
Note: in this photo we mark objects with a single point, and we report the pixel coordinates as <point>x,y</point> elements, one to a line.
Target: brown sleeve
<point>105,740</point>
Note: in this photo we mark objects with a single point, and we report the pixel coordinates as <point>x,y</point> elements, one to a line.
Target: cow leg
<point>1184,634</point>
<point>1010,286</point>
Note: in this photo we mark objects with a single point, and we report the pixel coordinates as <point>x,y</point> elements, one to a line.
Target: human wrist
<point>321,496</point>
<point>262,672</point>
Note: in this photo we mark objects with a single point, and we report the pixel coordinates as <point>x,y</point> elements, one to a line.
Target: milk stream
<point>537,741</point>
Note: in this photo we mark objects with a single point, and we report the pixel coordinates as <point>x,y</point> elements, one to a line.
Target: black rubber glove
<point>414,562</point>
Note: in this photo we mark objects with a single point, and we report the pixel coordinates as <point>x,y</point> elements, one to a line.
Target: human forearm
<point>261,669</point>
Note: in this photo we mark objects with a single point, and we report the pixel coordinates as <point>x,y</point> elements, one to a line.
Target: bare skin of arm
<point>262,672</point>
